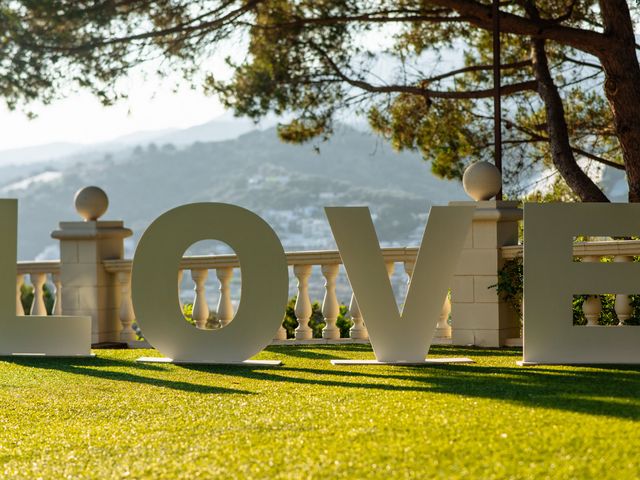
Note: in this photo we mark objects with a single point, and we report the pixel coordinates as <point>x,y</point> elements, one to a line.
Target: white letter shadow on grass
<point>400,338</point>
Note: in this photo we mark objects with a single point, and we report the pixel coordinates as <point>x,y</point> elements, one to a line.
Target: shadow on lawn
<point>311,351</point>
<point>97,367</point>
<point>599,390</point>
<point>608,390</point>
<point>337,350</point>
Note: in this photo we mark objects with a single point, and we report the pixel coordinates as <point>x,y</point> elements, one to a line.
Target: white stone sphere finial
<point>91,203</point>
<point>482,181</point>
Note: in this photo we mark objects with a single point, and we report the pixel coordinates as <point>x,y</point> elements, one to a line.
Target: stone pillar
<point>88,288</point>
<point>479,317</point>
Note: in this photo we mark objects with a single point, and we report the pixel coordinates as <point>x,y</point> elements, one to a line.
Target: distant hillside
<point>49,151</point>
<point>286,184</point>
<point>19,163</point>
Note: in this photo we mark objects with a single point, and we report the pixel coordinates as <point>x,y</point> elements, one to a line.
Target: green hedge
<point>316,321</point>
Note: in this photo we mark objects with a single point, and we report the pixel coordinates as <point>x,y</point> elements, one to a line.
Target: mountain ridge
<point>286,184</point>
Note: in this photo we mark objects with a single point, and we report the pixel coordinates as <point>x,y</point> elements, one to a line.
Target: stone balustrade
<point>302,263</point>
<point>622,251</point>
<point>39,273</point>
<point>93,278</point>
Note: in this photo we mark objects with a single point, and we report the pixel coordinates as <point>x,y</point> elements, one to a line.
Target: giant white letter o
<point>264,283</point>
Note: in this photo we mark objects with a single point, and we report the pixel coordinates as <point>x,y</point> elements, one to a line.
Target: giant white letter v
<point>395,336</point>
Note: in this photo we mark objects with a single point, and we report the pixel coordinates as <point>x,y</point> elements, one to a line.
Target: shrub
<point>316,321</point>
<point>509,284</point>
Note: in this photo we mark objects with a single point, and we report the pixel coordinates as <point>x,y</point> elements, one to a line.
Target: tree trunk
<point>615,48</point>
<point>622,86</point>
<point>561,152</point>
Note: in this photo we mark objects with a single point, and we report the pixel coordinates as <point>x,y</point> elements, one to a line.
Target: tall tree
<point>420,70</point>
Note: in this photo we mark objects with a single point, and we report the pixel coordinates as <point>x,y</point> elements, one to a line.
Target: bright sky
<point>152,104</point>
<point>81,118</point>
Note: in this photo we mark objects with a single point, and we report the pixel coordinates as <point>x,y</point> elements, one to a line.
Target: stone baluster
<point>200,311</point>
<point>390,266</point>
<point>37,280</point>
<point>330,305</point>
<point>19,307</point>
<point>57,283</point>
<point>180,276</point>
<point>443,329</point>
<point>622,305</point>
<point>303,302</point>
<point>127,316</point>
<point>592,306</point>
<point>409,265</point>
<point>591,309</point>
<point>281,333</point>
<point>359,330</point>
<point>225,307</point>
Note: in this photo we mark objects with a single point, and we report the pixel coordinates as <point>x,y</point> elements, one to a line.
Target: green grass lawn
<point>110,417</point>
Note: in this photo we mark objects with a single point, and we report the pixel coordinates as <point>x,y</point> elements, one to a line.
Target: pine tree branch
<point>425,92</point>
<point>481,16</point>
<point>477,68</point>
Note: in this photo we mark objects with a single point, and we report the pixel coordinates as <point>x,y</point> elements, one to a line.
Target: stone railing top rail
<point>318,257</point>
<point>582,249</point>
<point>325,257</point>
<point>45,266</point>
